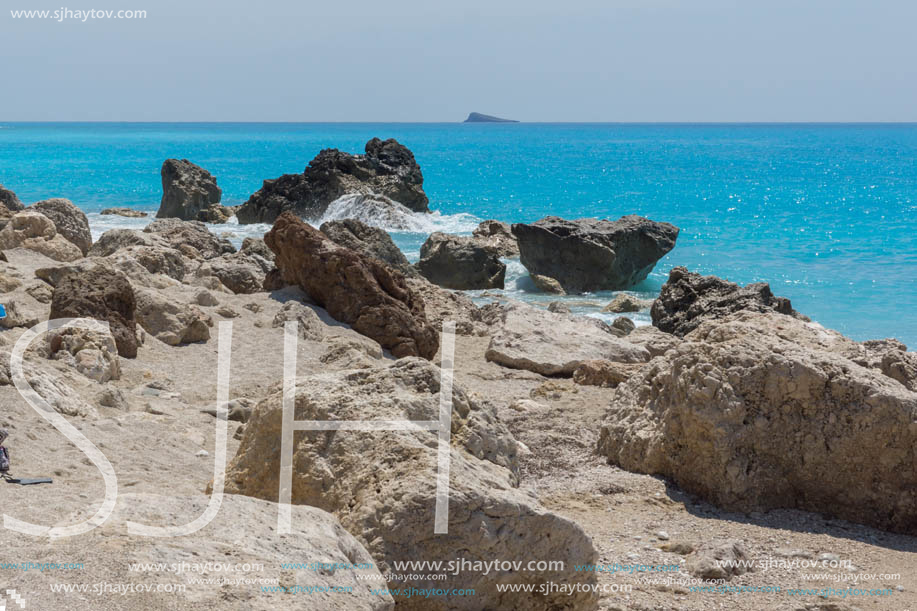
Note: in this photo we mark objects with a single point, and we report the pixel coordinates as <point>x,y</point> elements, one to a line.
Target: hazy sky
<point>423,60</point>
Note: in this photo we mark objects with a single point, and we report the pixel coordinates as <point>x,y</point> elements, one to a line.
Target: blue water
<point>825,213</point>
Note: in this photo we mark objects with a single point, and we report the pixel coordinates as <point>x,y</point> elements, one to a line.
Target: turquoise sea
<point>826,213</point>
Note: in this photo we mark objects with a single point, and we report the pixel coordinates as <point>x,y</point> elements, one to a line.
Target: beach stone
<point>688,299</point>
<point>498,237</point>
<point>190,193</point>
<point>444,305</point>
<point>240,273</point>
<point>20,312</point>
<point>546,284</point>
<point>69,221</point>
<point>191,238</point>
<point>170,321</point>
<point>624,324</point>
<point>5,216</point>
<point>354,289</point>
<point>91,353</point>
<point>34,231</point>
<point>387,168</point>
<point>606,374</point>
<point>102,294</point>
<point>728,415</point>
<point>125,212</point>
<point>369,241</point>
<point>626,303</point>
<point>719,560</point>
<point>256,246</point>
<point>555,344</point>
<point>114,240</point>
<point>559,307</point>
<point>455,262</point>
<point>311,327</point>
<point>591,254</point>
<point>9,200</point>
<point>655,341</point>
<point>489,516</point>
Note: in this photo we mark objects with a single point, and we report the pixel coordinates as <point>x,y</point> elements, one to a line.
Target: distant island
<point>477,117</point>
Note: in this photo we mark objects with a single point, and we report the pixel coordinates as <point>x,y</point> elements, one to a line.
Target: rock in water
<point>34,231</point>
<point>103,294</point>
<point>388,168</point>
<point>592,254</point>
<point>9,200</point>
<point>369,241</point>
<point>460,263</point>
<point>688,299</point>
<point>69,221</point>
<point>190,193</point>
<point>547,285</point>
<point>498,237</point>
<point>126,212</point>
<point>391,509</point>
<point>358,290</point>
<point>760,410</point>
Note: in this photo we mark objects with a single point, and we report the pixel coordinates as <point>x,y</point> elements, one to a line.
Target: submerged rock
<point>461,263</point>
<point>69,220</point>
<point>190,193</point>
<point>591,254</point>
<point>358,290</point>
<point>388,168</point>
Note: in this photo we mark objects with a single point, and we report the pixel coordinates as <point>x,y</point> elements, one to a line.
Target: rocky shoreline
<point>563,426</point>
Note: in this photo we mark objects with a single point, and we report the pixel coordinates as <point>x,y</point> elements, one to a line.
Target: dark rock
<point>9,200</point>
<point>369,241</point>
<point>190,193</point>
<point>497,236</point>
<point>687,299</point>
<point>256,246</point>
<point>456,262</point>
<point>388,168</point>
<point>126,212</point>
<point>102,294</point>
<point>476,117</point>
<point>624,324</point>
<point>192,238</point>
<point>69,220</point>
<point>592,254</point>
<point>358,290</point>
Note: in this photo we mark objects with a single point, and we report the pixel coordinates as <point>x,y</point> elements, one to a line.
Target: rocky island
<point>476,117</point>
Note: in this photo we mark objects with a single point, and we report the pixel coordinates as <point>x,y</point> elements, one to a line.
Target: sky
<point>428,60</point>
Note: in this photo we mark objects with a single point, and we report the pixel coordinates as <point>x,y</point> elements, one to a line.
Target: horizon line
<point>508,123</point>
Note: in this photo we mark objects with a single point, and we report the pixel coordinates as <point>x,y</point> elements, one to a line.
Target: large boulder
<point>498,237</point>
<point>34,231</point>
<point>388,168</point>
<point>688,299</point>
<point>9,200</point>
<point>102,294</point>
<point>591,254</point>
<point>442,305</point>
<point>191,238</point>
<point>190,193</point>
<point>391,509</point>
<point>370,241</point>
<point>69,220</point>
<point>525,337</point>
<point>358,290</point>
<point>241,273</point>
<point>456,262</point>
<point>760,410</point>
<point>171,321</point>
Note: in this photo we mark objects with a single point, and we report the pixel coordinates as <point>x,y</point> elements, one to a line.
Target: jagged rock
<point>391,510</point>
<point>604,373</point>
<point>456,262</point>
<point>34,231</point>
<point>592,254</point>
<point>126,212</point>
<point>626,303</point>
<point>170,321</point>
<point>357,290</point>
<point>256,246</point>
<point>688,299</point>
<point>240,273</point>
<point>369,241</point>
<point>102,294</point>
<point>191,238</point>
<point>347,352</point>
<point>624,324</point>
<point>310,325</point>
<point>388,168</point>
<point>498,237</point>
<point>444,305</point>
<point>91,353</point>
<point>9,200</point>
<point>9,283</point>
<point>555,344</point>
<point>761,410</point>
<point>547,285</point>
<point>655,341</point>
<point>114,240</point>
<point>69,221</point>
<point>888,356</point>
<point>190,193</point>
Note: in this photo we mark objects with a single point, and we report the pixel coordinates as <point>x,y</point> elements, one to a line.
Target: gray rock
<point>69,221</point>
<point>170,321</point>
<point>126,212</point>
<point>626,303</point>
<point>591,254</point>
<point>310,325</point>
<point>559,307</point>
<point>191,238</point>
<point>9,200</point>
<point>624,324</point>
<point>456,262</point>
<point>719,560</point>
<point>498,237</point>
<point>547,285</point>
<point>190,193</point>
<point>370,241</point>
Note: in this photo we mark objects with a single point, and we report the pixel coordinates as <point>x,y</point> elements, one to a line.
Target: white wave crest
<point>385,213</point>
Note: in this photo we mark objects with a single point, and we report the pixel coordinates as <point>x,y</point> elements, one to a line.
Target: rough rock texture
<point>547,285</point>
<point>34,231</point>
<point>559,307</point>
<point>688,299</point>
<point>391,509</point>
<point>191,238</point>
<point>388,168</point>
<point>190,193</point>
<point>239,272</point>
<point>655,341</point>
<point>355,289</point>
<point>762,410</point>
<point>69,221</point>
<point>171,321</point>
<point>625,324</point>
<point>603,373</point>
<point>498,237</point>
<point>9,200</point>
<point>103,294</point>
<point>369,241</point>
<point>5,216</point>
<point>626,303</point>
<point>719,560</point>
<point>592,254</point>
<point>126,212</point>
<point>444,305</point>
<point>256,246</point>
<point>460,263</point>
<point>555,344</point>
<point>310,326</point>
<point>91,353</point>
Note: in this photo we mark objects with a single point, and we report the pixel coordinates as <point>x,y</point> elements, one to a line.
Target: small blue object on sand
<point>2,311</point>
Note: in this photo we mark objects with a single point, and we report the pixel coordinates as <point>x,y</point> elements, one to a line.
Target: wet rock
<point>455,262</point>
<point>498,237</point>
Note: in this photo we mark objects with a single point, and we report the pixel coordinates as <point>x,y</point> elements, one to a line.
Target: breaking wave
<point>385,213</point>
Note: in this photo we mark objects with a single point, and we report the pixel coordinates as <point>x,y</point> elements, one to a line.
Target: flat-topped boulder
<point>190,193</point>
<point>592,254</point>
<point>387,168</point>
<point>462,263</point>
